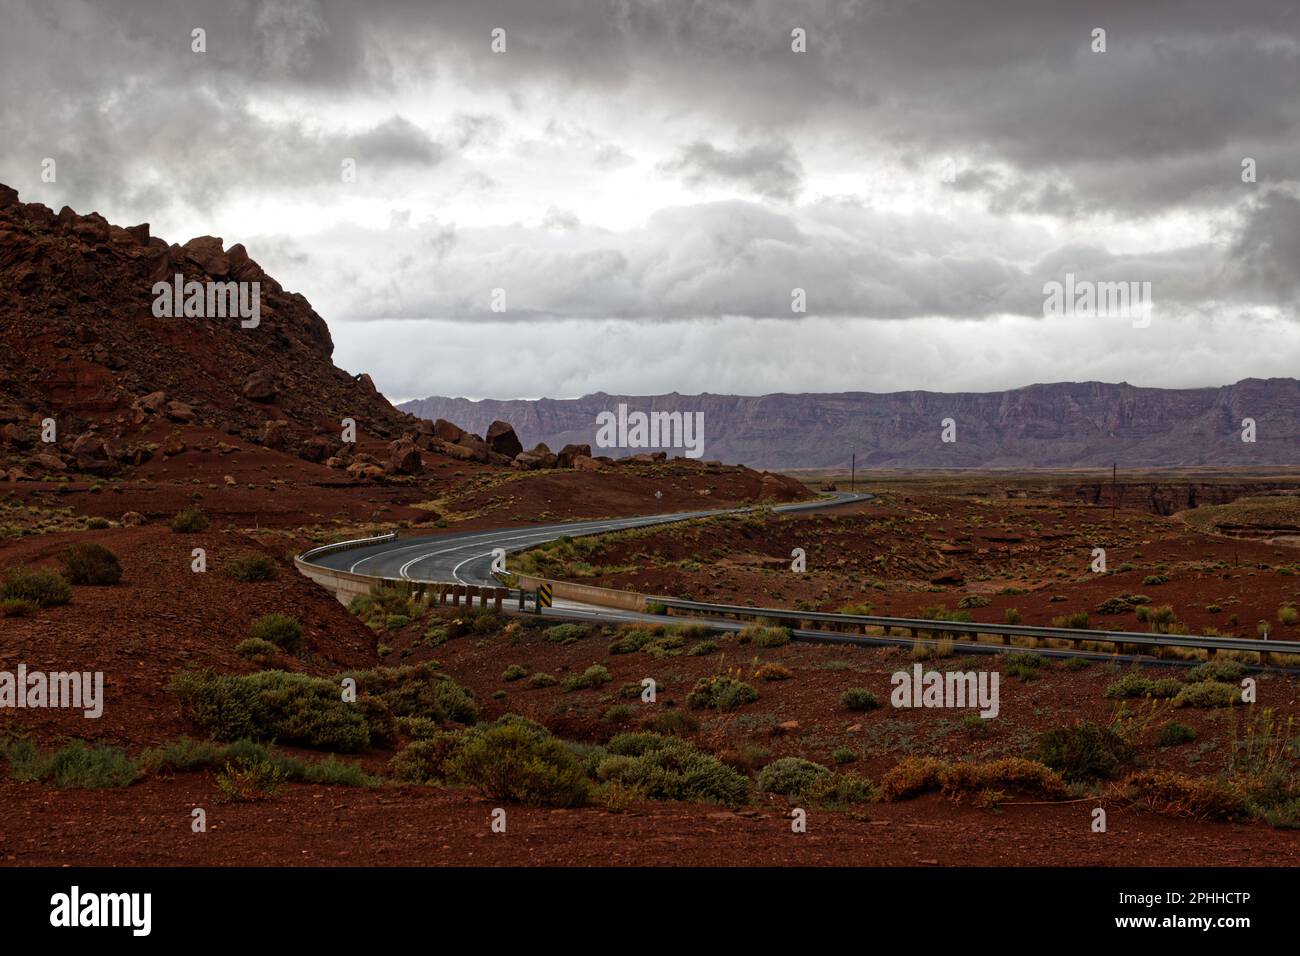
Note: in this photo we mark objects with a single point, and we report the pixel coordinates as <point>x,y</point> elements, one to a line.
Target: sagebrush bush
<point>669,768</point>
<point>514,672</point>
<point>789,775</point>
<point>1174,733</point>
<point>1223,670</point>
<point>765,636</point>
<point>282,630</point>
<point>594,676</point>
<point>91,564</point>
<point>1208,694</point>
<point>858,698</point>
<point>720,692</point>
<point>1176,794</point>
<point>75,766</point>
<point>565,634</point>
<point>255,648</point>
<point>251,566</point>
<point>418,690</point>
<point>289,708</point>
<point>1083,751</point>
<point>40,587</point>
<point>516,762</point>
<point>674,722</point>
<point>17,607</point>
<point>190,521</point>
<point>428,760</point>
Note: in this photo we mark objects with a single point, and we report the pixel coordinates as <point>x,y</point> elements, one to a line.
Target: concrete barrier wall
<point>588,594</point>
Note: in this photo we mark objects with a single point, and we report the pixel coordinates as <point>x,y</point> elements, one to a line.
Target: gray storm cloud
<point>666,160</point>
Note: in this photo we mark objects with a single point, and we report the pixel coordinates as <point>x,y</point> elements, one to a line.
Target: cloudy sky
<point>647,181</point>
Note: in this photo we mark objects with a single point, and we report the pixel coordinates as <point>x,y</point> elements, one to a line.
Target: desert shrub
<point>669,768</point>
<point>418,728</point>
<point>542,680</point>
<point>1174,733</point>
<point>190,521</point>
<point>1176,794</point>
<point>279,629</point>
<point>838,790</point>
<point>249,782</point>
<point>183,755</point>
<point>517,763</point>
<point>911,777</point>
<point>594,676</point>
<point>858,698</point>
<point>974,600</point>
<point>1152,580</point>
<point>655,607</point>
<point>1084,751</point>
<point>789,775</point>
<point>764,636</point>
<point>1012,615</point>
<point>74,766</point>
<point>1208,694</point>
<point>567,633</point>
<point>1132,684</point>
<point>1223,670</point>
<point>1162,619</point>
<point>702,649</point>
<point>618,714</point>
<point>677,723</point>
<point>40,587</point>
<point>428,760</point>
<point>90,563</point>
<point>514,672</point>
<point>418,690</point>
<point>773,671</point>
<point>916,775</point>
<point>250,566</point>
<point>632,638</point>
<point>256,648</point>
<point>1023,665</point>
<point>842,755</point>
<point>291,708</point>
<point>17,607</point>
<point>1077,621</point>
<point>1287,614</point>
<point>720,692</point>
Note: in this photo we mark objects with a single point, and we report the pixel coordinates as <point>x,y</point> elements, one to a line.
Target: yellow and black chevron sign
<point>545,596</point>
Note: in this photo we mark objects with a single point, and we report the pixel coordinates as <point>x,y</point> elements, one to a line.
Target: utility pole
<point>1114,472</point>
<point>853,471</point>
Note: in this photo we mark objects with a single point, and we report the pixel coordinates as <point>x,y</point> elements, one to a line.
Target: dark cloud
<point>771,170</point>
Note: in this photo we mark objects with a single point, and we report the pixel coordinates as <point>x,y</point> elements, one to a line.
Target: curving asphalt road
<point>467,557</point>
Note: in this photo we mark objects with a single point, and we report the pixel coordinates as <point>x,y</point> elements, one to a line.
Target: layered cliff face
<point>82,342</point>
<point>1053,425</point>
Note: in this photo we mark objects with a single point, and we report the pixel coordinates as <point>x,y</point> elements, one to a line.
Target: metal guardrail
<point>1005,631</point>
<point>346,545</point>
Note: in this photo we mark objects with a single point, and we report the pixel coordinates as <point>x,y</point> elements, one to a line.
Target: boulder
<point>565,458</point>
<point>502,439</point>
<point>404,458</point>
<point>260,387</point>
<point>153,403</point>
<point>585,463</point>
<point>179,412</point>
<point>276,434</point>
<point>447,431</point>
<point>132,519</point>
<point>361,471</point>
<point>317,448</point>
<point>50,462</point>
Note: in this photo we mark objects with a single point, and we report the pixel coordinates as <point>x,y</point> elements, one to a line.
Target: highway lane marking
<point>562,529</point>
